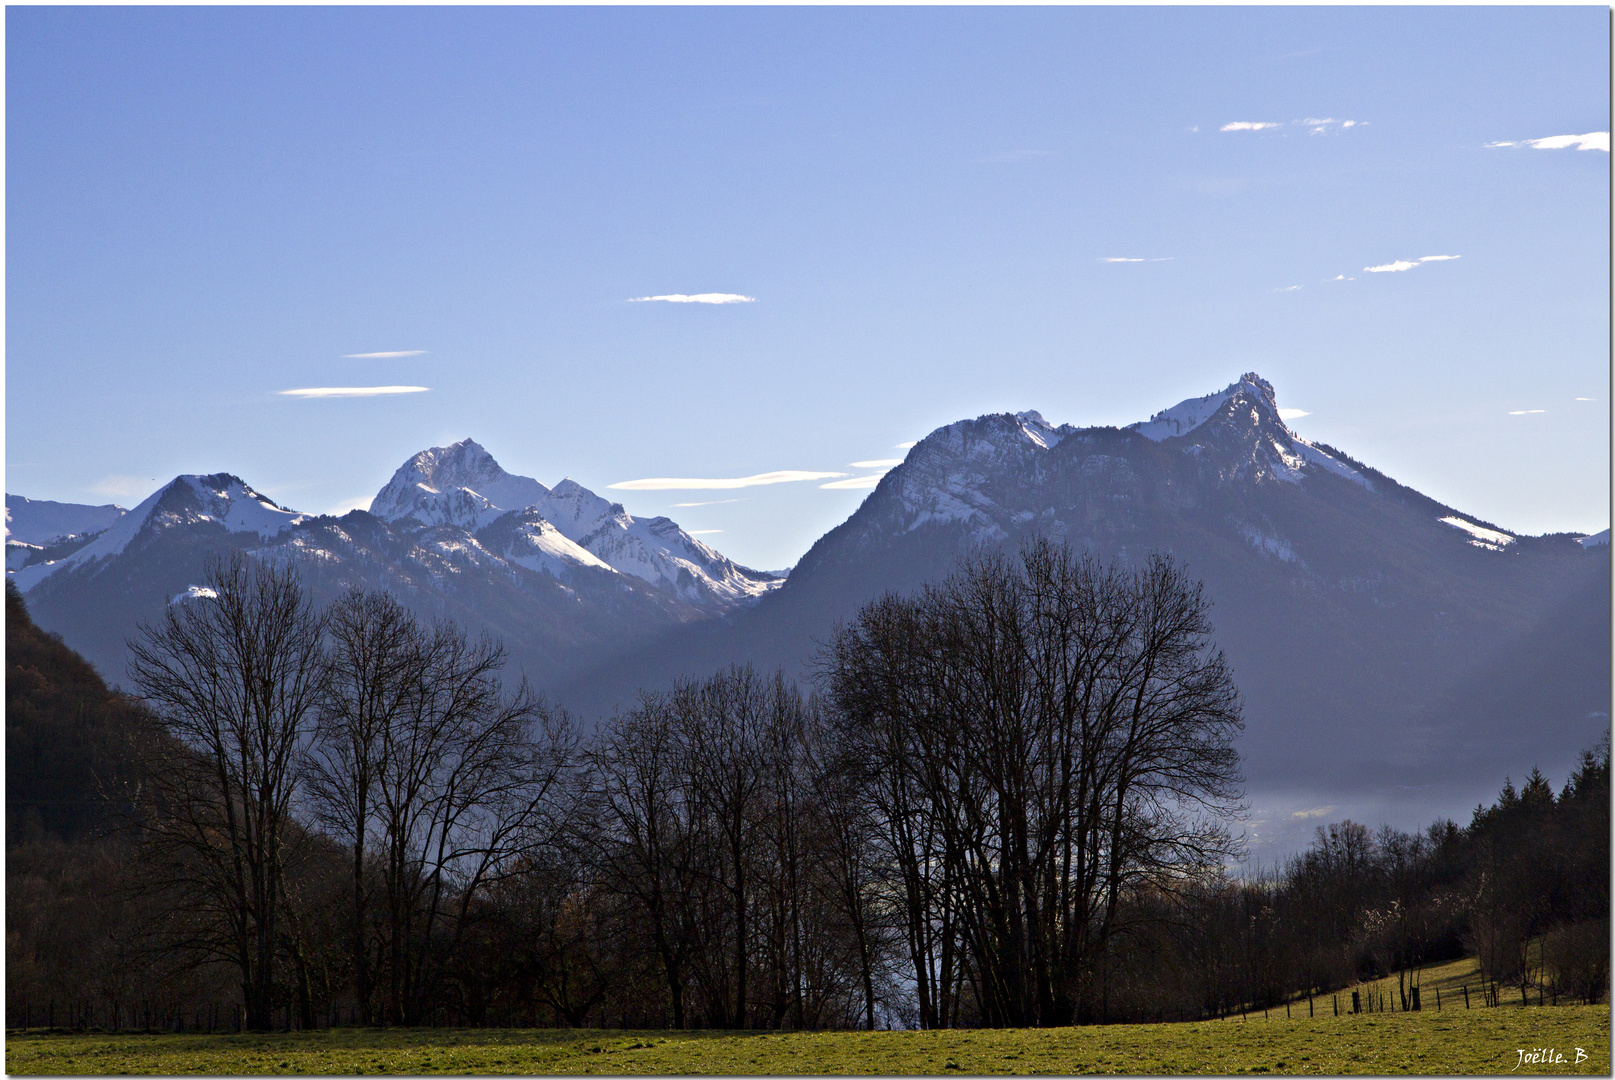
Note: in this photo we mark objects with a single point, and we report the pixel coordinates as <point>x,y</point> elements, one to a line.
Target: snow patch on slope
<point>1183,417</point>
<point>1323,460</point>
<point>1490,539</point>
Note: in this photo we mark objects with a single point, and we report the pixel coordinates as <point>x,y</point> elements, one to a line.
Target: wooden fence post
<point>1466,995</point>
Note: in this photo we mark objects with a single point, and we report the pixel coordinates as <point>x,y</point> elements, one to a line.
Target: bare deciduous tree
<point>1043,736</point>
<point>234,677</point>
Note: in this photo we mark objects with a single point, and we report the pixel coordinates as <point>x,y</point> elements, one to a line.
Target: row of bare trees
<point>275,721</point>
<point>950,836</point>
<point>1007,804</point>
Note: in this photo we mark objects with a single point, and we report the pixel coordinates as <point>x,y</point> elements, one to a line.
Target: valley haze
<point>1397,656</point>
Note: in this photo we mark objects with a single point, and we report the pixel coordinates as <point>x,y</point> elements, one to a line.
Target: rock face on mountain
<point>562,576</point>
<point>1391,650</point>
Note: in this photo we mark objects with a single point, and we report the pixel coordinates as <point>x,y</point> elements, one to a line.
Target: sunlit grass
<point>1451,1041</point>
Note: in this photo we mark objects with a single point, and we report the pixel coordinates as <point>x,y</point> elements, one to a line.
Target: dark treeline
<point>1007,801</point>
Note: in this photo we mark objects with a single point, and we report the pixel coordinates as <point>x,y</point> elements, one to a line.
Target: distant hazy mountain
<point>42,522</point>
<point>563,577</point>
<point>1392,651</point>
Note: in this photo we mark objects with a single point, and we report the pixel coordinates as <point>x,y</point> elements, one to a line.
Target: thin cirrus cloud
<point>383,355</point>
<point>352,391</point>
<point>696,298</point>
<point>1317,125</point>
<point>709,502</point>
<point>1526,412</point>
<point>1407,264</point>
<point>1292,414</point>
<point>853,483</point>
<point>1593,140</point>
<point>1287,288</point>
<point>906,445</point>
<point>1124,259</point>
<point>881,463</point>
<point>679,483</point>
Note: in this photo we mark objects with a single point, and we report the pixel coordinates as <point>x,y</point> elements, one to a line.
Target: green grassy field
<point>1452,1041</point>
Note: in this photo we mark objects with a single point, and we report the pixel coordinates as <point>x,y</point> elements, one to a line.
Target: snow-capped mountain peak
<point>460,484</point>
<point>218,499</point>
<point>1189,414</point>
<point>1038,430</point>
<point>463,486</point>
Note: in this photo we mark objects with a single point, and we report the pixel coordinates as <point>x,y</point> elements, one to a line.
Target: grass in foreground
<point>1477,1041</point>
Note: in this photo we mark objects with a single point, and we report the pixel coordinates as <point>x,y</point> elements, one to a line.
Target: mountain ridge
<point>1386,643</point>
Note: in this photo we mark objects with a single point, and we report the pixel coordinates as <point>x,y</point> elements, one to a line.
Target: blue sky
<point>207,207</point>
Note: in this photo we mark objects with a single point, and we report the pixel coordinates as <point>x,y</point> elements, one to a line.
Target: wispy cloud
<point>1407,264</point>
<point>882,463</point>
<point>1526,412</point>
<point>697,298</point>
<point>1317,125</point>
<point>1123,259</point>
<point>855,482</point>
<point>906,445</point>
<point>673,483</point>
<point>382,355</point>
<point>704,532</point>
<point>1342,277</point>
<point>1586,399</point>
<point>117,485</point>
<point>710,502</point>
<point>1593,140</point>
<point>352,391</point>
<point>1316,811</point>
<point>1292,414</point>
<point>361,503</point>
<point>1287,288</point>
